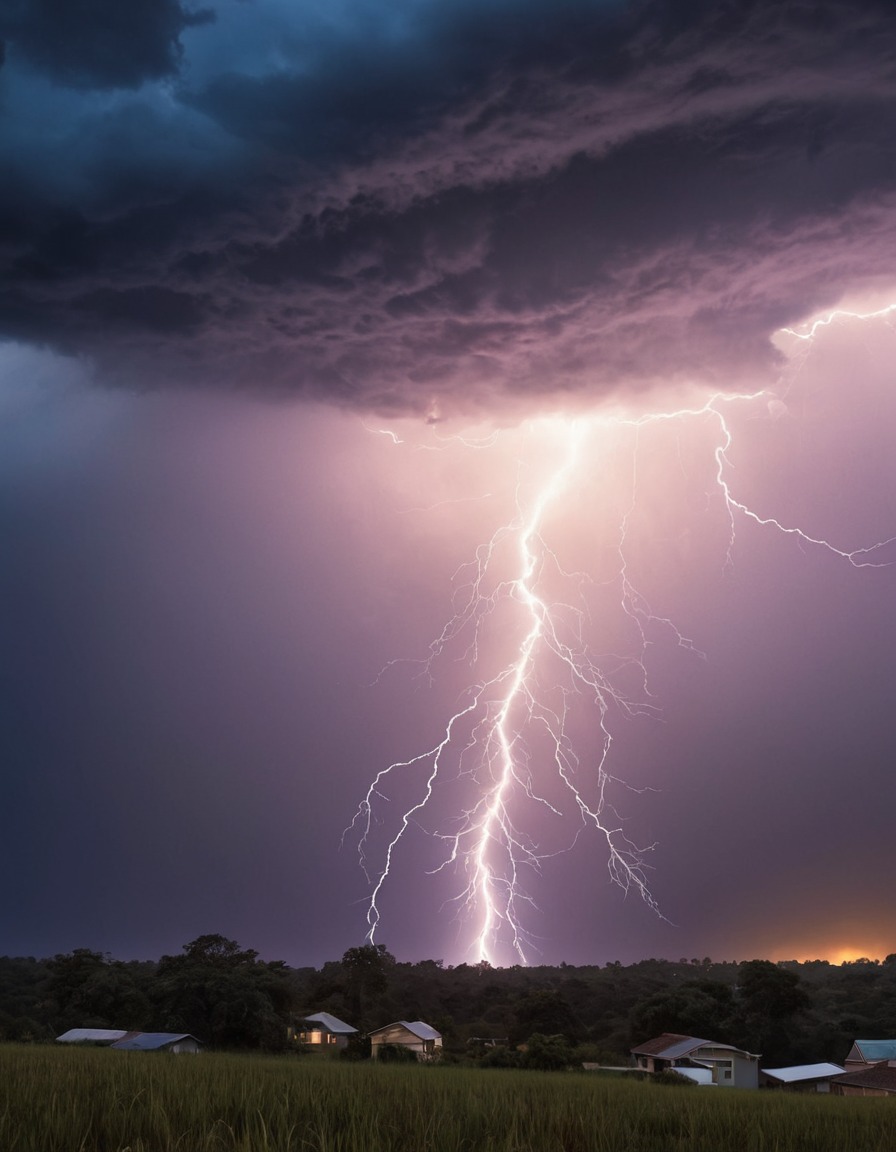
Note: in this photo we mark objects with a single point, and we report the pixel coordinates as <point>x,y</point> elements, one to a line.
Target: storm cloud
<point>98,44</point>
<point>431,211</point>
<point>259,262</point>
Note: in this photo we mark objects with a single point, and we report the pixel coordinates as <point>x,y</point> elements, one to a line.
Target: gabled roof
<point>91,1035</point>
<point>416,1028</point>
<point>152,1041</point>
<point>330,1023</point>
<point>873,1051</point>
<point>799,1072</point>
<point>880,1076</point>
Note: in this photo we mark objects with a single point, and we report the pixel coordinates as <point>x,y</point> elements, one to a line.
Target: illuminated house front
<point>321,1030</point>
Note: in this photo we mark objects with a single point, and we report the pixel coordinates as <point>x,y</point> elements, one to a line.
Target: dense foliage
<point>228,997</point>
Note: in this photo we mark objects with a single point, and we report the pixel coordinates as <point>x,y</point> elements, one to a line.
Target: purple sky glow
<point>297,309</point>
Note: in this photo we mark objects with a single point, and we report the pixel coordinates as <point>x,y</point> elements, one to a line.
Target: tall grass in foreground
<point>96,1100</point>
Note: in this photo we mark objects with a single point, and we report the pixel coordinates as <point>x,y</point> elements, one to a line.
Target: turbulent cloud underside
<point>513,204</point>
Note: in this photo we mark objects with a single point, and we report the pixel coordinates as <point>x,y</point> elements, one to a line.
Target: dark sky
<point>300,307</point>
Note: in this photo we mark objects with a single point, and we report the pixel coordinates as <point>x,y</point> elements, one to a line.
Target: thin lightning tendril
<point>510,724</point>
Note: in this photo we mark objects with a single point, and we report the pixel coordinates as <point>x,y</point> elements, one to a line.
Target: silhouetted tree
<point>224,995</point>
<point>86,989</point>
<point>547,1053</point>
<point>544,1012</point>
<point>366,969</point>
<point>701,1008</point>
<point>769,996</point>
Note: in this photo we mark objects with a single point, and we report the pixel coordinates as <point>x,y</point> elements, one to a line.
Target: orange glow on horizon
<point>836,953</point>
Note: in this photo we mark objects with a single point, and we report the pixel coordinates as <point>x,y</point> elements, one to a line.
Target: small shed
<point>800,1077</point>
<point>321,1030</point>
<point>159,1042</point>
<point>420,1038</point>
<point>104,1036</point>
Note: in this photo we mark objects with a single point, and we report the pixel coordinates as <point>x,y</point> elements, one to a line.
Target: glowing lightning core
<point>497,715</point>
<point>515,720</point>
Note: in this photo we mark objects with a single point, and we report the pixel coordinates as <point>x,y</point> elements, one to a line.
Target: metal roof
<point>91,1035</point>
<point>671,1046</point>
<point>152,1041</point>
<point>421,1030</point>
<point>416,1028</point>
<point>877,1076</point>
<point>331,1023</point>
<point>797,1072</point>
<point>664,1045</point>
<point>875,1050</point>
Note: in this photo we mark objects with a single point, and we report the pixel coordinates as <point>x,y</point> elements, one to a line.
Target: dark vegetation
<point>230,998</point>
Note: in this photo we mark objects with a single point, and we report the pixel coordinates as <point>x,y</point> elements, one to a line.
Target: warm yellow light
<point>847,955</point>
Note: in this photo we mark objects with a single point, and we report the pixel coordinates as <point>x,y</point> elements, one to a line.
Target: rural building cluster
<point>869,1068</point>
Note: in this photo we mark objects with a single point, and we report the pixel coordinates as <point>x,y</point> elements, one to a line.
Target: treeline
<point>229,997</point>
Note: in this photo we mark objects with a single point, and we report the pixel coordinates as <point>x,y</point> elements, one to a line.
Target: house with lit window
<point>322,1031</point>
<point>727,1066</point>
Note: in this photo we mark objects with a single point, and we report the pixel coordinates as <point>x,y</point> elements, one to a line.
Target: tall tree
<point>366,970</point>
<point>224,994</point>
<point>769,997</point>
<point>89,990</point>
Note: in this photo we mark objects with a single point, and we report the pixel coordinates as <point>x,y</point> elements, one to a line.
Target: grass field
<point>96,1100</point>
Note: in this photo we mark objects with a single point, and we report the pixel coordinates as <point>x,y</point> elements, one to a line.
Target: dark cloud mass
<point>457,206</point>
<point>99,43</point>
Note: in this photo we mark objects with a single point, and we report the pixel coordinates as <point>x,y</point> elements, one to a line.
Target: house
<point>92,1036</point>
<point>800,1077</point>
<point>864,1053</point>
<point>730,1067</point>
<point>321,1030</point>
<point>420,1038</point>
<point>158,1042</point>
<point>870,1080</point>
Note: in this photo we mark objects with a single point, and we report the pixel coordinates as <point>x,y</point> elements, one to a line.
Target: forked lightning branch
<point>510,759</point>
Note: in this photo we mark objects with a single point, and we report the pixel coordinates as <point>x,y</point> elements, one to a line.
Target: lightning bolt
<point>509,744</point>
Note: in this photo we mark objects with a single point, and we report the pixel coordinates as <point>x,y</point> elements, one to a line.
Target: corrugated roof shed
<point>798,1072</point>
<point>331,1023</point>
<point>152,1041</point>
<point>91,1036</point>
